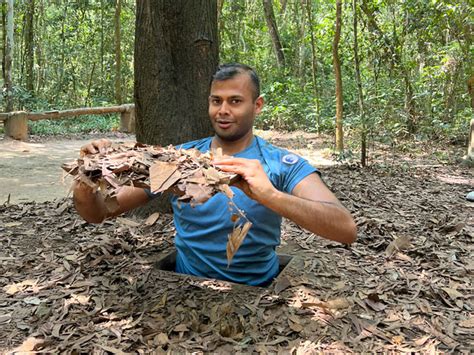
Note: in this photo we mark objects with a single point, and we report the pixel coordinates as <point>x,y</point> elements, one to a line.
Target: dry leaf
<point>163,175</point>
<point>152,219</point>
<point>162,339</point>
<point>5,318</point>
<point>29,345</point>
<point>127,222</point>
<point>181,328</point>
<point>12,224</point>
<point>400,243</point>
<point>282,284</point>
<point>235,239</point>
<point>422,340</point>
<point>467,323</point>
<point>452,293</point>
<point>14,288</point>
<point>112,350</point>
<point>338,303</point>
<point>398,339</point>
<point>295,326</point>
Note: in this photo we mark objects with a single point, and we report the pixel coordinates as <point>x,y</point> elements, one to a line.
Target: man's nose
<point>224,108</point>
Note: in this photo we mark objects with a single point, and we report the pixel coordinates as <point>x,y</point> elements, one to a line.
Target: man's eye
<point>236,101</point>
<point>215,101</point>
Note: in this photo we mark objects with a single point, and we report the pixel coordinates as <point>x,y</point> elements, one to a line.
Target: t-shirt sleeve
<point>294,171</point>
<point>151,195</point>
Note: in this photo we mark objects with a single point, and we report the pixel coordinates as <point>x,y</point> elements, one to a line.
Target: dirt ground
<point>31,171</point>
<point>404,286</point>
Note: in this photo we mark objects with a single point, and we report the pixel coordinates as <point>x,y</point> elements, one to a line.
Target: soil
<point>404,286</point>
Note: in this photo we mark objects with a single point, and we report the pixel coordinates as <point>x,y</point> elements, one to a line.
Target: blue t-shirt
<point>202,231</point>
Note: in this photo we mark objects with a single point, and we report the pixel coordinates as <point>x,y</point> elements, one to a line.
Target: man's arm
<point>311,205</point>
<point>91,205</point>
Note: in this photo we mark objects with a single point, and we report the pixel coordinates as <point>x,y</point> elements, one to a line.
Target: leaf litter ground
<point>405,285</point>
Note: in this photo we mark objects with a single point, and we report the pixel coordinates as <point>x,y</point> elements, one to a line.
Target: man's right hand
<point>97,146</point>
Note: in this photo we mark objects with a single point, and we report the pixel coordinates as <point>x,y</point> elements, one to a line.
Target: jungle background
<point>403,91</point>
<point>408,78</point>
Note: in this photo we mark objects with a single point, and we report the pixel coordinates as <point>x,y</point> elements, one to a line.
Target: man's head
<point>234,101</point>
<point>231,70</point>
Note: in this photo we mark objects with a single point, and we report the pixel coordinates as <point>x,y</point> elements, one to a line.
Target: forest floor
<point>405,285</point>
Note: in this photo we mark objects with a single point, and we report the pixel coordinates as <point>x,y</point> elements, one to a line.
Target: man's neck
<point>232,147</point>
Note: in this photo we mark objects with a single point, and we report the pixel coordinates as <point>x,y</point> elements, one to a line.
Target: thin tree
<point>9,57</point>
<point>363,140</point>
<point>338,78</point>
<point>29,46</point>
<point>394,49</point>
<point>314,64</point>
<point>302,42</point>
<point>274,35</point>
<point>118,53</point>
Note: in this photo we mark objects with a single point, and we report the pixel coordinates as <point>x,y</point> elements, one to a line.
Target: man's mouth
<point>223,124</point>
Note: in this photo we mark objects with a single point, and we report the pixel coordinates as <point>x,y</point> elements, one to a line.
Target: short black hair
<point>230,70</point>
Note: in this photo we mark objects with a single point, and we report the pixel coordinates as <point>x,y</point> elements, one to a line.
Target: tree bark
<point>283,6</point>
<point>273,29</point>
<point>40,26</point>
<point>363,138</point>
<point>175,57</point>
<point>470,90</point>
<point>470,149</point>
<point>29,46</point>
<point>9,57</point>
<point>338,78</point>
<point>220,5</point>
<point>302,44</point>
<point>4,36</point>
<point>118,53</point>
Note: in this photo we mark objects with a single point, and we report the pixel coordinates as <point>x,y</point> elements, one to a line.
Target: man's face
<point>232,108</point>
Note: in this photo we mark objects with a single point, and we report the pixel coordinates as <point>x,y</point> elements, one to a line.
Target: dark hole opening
<point>168,263</point>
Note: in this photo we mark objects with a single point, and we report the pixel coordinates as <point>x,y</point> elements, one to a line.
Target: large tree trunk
<point>273,29</point>
<point>338,77</point>
<point>176,53</point>
<point>118,54</point>
<point>9,57</point>
<point>29,46</point>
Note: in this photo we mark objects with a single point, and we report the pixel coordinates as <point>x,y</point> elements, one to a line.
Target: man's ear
<point>259,102</point>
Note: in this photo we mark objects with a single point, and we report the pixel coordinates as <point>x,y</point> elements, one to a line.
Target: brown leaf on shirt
<point>235,240</point>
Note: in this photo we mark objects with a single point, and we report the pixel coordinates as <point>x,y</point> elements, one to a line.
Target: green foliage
<point>417,47</point>
<point>82,124</point>
<point>431,39</point>
<point>73,54</point>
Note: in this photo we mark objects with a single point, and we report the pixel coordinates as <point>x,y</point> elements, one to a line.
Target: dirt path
<point>31,171</point>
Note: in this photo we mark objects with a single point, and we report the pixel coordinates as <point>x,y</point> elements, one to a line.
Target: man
<point>274,183</point>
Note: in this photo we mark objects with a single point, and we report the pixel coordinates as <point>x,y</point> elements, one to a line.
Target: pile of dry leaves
<point>184,172</point>
<point>187,173</point>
